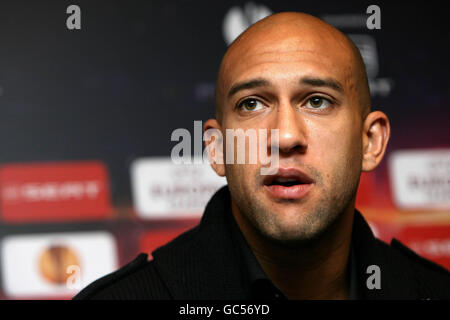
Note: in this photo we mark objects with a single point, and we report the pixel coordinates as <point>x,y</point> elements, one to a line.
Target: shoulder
<point>139,279</point>
<point>136,280</point>
<point>419,260</point>
<point>431,279</point>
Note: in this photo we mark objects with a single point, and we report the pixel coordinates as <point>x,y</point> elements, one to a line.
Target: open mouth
<point>285,182</point>
<point>288,183</point>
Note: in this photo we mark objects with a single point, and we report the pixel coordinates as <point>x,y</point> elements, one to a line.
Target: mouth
<point>288,183</point>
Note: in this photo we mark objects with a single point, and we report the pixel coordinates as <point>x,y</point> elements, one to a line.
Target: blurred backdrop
<point>86,117</point>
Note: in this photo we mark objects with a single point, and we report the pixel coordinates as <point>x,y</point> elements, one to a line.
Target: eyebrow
<point>250,84</point>
<point>318,82</point>
<point>260,82</point>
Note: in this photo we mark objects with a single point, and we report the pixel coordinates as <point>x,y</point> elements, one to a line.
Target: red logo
<point>54,192</point>
<point>151,240</point>
<point>432,242</point>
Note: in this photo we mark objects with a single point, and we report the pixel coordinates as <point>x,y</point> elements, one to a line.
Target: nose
<point>292,129</point>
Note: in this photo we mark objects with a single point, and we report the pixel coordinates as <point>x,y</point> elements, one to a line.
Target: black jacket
<point>202,263</point>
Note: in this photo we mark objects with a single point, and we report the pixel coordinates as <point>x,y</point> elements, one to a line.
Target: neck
<point>314,271</point>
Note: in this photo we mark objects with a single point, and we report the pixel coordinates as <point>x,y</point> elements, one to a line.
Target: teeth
<point>286,180</point>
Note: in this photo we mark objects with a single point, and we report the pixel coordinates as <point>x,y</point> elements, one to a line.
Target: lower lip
<point>294,192</point>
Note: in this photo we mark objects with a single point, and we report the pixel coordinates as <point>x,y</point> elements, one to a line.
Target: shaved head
<point>299,86</point>
<point>296,74</point>
<point>293,31</point>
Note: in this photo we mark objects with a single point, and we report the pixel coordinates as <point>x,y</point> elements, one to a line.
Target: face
<point>304,86</point>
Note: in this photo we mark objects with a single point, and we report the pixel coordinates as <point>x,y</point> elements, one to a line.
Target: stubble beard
<point>310,224</point>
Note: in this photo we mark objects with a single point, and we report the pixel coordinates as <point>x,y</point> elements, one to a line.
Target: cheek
<point>241,176</point>
<point>335,150</point>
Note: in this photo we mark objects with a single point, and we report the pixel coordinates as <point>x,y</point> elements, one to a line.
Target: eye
<point>250,105</point>
<point>317,103</point>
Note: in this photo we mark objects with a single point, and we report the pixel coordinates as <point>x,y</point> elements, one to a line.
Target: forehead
<point>282,55</point>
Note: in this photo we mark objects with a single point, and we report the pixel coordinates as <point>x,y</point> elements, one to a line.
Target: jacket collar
<point>204,262</point>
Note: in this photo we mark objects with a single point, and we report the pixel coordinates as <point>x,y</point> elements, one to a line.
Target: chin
<point>295,229</point>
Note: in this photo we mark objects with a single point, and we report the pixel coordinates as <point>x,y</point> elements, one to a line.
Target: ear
<point>214,146</point>
<point>376,133</point>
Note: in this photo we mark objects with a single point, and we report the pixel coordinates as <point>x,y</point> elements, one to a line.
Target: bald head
<point>294,87</point>
<point>299,34</point>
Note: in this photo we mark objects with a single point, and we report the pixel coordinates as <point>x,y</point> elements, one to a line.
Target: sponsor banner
<point>239,18</point>
<point>385,230</point>
<point>153,239</point>
<point>162,189</point>
<point>420,179</point>
<point>54,192</point>
<point>55,265</point>
<point>366,190</point>
<point>432,242</point>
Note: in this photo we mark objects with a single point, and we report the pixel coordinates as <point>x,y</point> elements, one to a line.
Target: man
<point>294,234</point>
